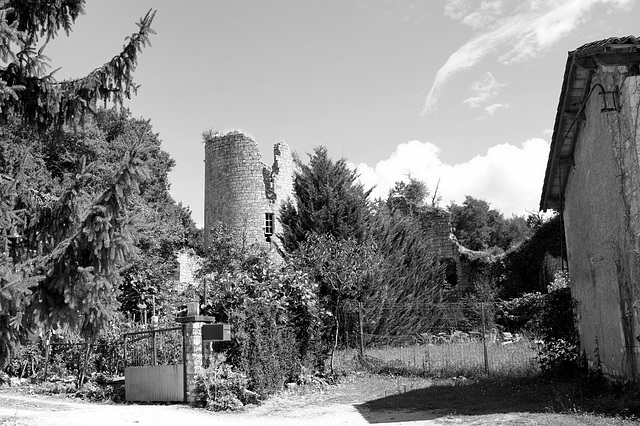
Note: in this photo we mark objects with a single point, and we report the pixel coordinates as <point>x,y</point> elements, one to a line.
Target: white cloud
<point>507,176</point>
<point>483,91</point>
<point>491,109</point>
<point>522,32</point>
<point>474,13</point>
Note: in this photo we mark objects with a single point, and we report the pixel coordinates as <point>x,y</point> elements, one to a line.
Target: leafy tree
<point>345,271</point>
<point>225,252</point>
<point>408,197</point>
<point>328,200</point>
<point>163,226</point>
<point>471,223</point>
<point>66,234</point>
<point>509,232</point>
<point>479,227</point>
<point>166,226</point>
<point>325,234</point>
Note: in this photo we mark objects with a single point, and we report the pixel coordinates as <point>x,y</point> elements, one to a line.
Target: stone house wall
<point>602,224</point>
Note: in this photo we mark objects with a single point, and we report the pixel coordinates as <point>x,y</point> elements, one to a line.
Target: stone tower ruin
<point>244,193</point>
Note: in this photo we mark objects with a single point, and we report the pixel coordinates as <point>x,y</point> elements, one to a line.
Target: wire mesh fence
<point>445,339</point>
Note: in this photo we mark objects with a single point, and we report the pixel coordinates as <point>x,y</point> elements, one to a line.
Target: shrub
<point>550,317</point>
<point>264,348</point>
<point>274,316</point>
<point>559,354</point>
<point>559,358</point>
<point>221,387</point>
<point>522,313</point>
<point>26,361</point>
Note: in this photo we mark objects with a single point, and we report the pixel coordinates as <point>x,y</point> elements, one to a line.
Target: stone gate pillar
<point>192,348</point>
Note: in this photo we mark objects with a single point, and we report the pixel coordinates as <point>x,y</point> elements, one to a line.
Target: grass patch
<point>451,379</point>
<point>547,402</point>
<point>464,359</point>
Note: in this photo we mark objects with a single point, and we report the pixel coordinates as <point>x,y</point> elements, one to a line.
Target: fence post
<point>124,352</point>
<point>192,348</point>
<point>484,340</point>
<point>185,371</point>
<point>47,350</point>
<point>85,361</point>
<point>153,347</point>
<point>361,330</point>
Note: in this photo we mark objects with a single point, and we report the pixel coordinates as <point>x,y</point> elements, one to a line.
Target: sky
<point>461,94</point>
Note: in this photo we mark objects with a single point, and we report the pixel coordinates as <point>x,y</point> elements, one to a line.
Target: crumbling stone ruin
<point>436,228</point>
<point>244,193</point>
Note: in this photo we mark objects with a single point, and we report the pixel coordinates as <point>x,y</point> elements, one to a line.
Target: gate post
<point>192,350</point>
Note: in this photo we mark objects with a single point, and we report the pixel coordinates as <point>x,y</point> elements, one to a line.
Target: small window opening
<point>450,270</point>
<point>268,226</point>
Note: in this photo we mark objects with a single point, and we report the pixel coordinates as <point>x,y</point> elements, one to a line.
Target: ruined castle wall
<point>240,189</point>
<point>283,171</point>
<point>436,228</point>
<point>188,264</point>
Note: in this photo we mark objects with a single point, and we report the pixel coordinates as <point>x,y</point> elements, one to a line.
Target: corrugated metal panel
<point>154,383</point>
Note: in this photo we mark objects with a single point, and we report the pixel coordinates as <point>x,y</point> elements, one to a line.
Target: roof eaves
<point>545,201</point>
<point>586,56</point>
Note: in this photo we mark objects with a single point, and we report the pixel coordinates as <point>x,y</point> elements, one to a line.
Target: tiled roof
<point>600,45</point>
<point>576,86</point>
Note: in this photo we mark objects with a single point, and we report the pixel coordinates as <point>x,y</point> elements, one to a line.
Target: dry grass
<point>446,360</point>
<point>379,398</point>
<point>450,378</point>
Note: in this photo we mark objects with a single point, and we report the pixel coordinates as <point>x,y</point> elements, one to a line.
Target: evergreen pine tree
<point>62,249</point>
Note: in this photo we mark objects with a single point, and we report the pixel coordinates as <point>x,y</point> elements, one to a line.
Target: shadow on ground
<point>467,397</point>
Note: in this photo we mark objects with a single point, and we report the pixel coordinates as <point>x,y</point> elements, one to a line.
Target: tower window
<point>268,226</point>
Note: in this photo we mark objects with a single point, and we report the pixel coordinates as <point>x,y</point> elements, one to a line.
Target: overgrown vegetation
<point>523,269</point>
<point>479,227</point>
<point>67,230</point>
<point>89,229</point>
<point>222,387</point>
<point>273,310</point>
<point>77,182</point>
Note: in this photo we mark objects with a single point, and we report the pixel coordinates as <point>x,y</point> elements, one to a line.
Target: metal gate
<point>154,365</point>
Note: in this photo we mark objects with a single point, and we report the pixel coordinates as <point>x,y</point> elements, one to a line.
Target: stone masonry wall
<point>601,219</point>
<point>240,189</point>
<point>188,264</point>
<point>436,227</point>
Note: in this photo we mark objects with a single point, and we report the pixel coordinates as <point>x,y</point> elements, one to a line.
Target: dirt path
<point>24,410</point>
<point>361,401</point>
